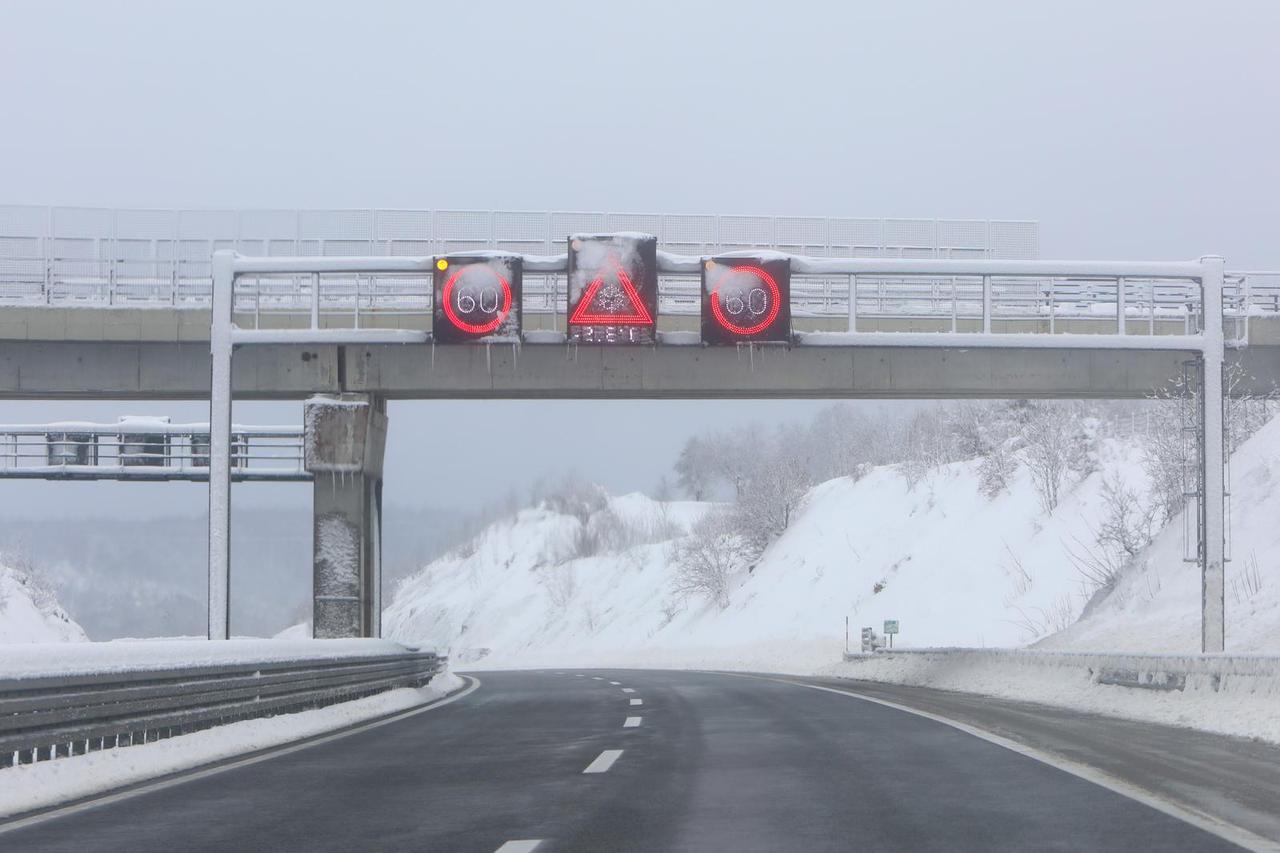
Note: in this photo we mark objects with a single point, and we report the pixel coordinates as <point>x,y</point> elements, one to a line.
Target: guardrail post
<point>221,352</point>
<point>1213,461</point>
<point>1121,308</point>
<point>986,304</point>
<point>853,303</point>
<point>315,300</point>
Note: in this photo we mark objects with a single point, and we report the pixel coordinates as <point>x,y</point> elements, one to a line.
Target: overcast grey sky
<point>1127,129</point>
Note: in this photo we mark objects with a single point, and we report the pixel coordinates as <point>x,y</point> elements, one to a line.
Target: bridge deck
<point>152,370</point>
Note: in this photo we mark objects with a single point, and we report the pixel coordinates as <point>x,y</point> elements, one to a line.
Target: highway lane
<point>714,762</point>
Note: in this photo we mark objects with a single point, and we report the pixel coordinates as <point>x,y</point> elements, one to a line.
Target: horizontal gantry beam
<point>181,371</point>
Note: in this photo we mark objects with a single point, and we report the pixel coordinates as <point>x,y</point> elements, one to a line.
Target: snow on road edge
<point>1251,711</point>
<point>28,787</point>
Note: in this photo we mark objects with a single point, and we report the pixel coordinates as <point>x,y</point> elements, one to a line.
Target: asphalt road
<point>714,763</point>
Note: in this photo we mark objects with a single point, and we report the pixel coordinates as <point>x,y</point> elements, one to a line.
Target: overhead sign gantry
<point>612,299</point>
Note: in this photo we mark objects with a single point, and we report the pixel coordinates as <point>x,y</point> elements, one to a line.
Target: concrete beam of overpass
<point>181,371</point>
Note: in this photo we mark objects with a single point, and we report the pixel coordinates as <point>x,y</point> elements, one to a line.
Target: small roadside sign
<point>891,626</point>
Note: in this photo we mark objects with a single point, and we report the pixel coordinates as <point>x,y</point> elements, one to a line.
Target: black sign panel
<point>613,288</point>
<point>746,299</point>
<point>477,298</point>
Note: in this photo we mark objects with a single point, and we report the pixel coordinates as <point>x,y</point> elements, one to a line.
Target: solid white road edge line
<point>631,722</point>
<point>637,701</point>
<point>272,752</point>
<point>523,845</point>
<point>603,761</point>
<point>1209,823</point>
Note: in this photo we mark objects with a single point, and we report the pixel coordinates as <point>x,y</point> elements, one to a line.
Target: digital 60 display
<point>613,288</point>
<point>477,297</point>
<point>746,299</point>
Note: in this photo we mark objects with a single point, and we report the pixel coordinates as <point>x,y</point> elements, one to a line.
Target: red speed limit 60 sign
<point>746,299</point>
<point>477,297</point>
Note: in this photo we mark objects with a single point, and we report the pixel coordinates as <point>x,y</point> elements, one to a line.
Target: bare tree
<point>772,489</point>
<point>1166,452</point>
<point>927,444</point>
<point>1129,523</point>
<point>996,469</point>
<point>1056,446</point>
<point>707,559</point>
<point>696,467</point>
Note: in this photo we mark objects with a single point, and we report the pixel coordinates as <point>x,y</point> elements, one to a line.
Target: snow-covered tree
<point>1058,446</point>
<point>696,468</point>
<point>707,559</point>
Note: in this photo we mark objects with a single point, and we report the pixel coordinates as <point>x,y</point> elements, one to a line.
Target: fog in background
<point>1128,130</point>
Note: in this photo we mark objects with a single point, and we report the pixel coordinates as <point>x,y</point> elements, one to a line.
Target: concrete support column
<point>345,437</point>
<point>1213,502</point>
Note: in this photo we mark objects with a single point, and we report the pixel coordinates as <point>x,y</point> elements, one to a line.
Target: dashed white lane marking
<point>637,701</point>
<point>631,722</point>
<point>596,678</point>
<point>524,845</point>
<point>603,761</point>
<point>615,683</point>
<point>628,690</point>
<point>580,675</point>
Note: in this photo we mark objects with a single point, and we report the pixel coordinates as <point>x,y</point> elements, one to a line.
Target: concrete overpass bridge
<point>358,330</point>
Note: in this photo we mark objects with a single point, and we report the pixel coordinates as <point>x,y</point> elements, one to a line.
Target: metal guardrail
<point>145,449</point>
<point>1142,671</point>
<point>54,716</point>
<point>1168,305</point>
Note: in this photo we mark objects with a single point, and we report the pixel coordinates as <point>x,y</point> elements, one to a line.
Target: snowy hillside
<point>1155,606</point>
<point>953,566</point>
<point>29,613</point>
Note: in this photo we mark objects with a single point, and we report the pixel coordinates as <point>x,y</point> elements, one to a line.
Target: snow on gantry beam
<point>246,265</point>
<point>1005,340</point>
<point>957,267</point>
<point>673,264</point>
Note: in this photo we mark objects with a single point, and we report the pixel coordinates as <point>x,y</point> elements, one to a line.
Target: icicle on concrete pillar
<point>345,436</point>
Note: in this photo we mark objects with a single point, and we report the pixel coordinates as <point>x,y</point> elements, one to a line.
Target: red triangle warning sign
<point>616,302</point>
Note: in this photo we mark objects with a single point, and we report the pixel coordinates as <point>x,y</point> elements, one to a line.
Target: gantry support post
<point>344,440</point>
<point>221,349</point>
<point>1213,461</point>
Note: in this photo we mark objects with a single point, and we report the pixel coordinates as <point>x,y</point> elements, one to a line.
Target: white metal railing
<point>161,258</point>
<point>145,449</point>
<point>1161,301</point>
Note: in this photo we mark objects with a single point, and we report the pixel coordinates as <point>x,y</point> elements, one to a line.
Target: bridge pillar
<point>344,439</point>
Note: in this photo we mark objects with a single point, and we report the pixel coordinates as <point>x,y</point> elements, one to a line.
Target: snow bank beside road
<point>955,567</point>
<point>26,660</point>
<point>1155,604</point>
<point>29,612</point>
<point>27,787</point>
<point>1223,694</point>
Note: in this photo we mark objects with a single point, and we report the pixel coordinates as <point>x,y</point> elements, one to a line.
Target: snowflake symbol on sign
<point>611,299</point>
